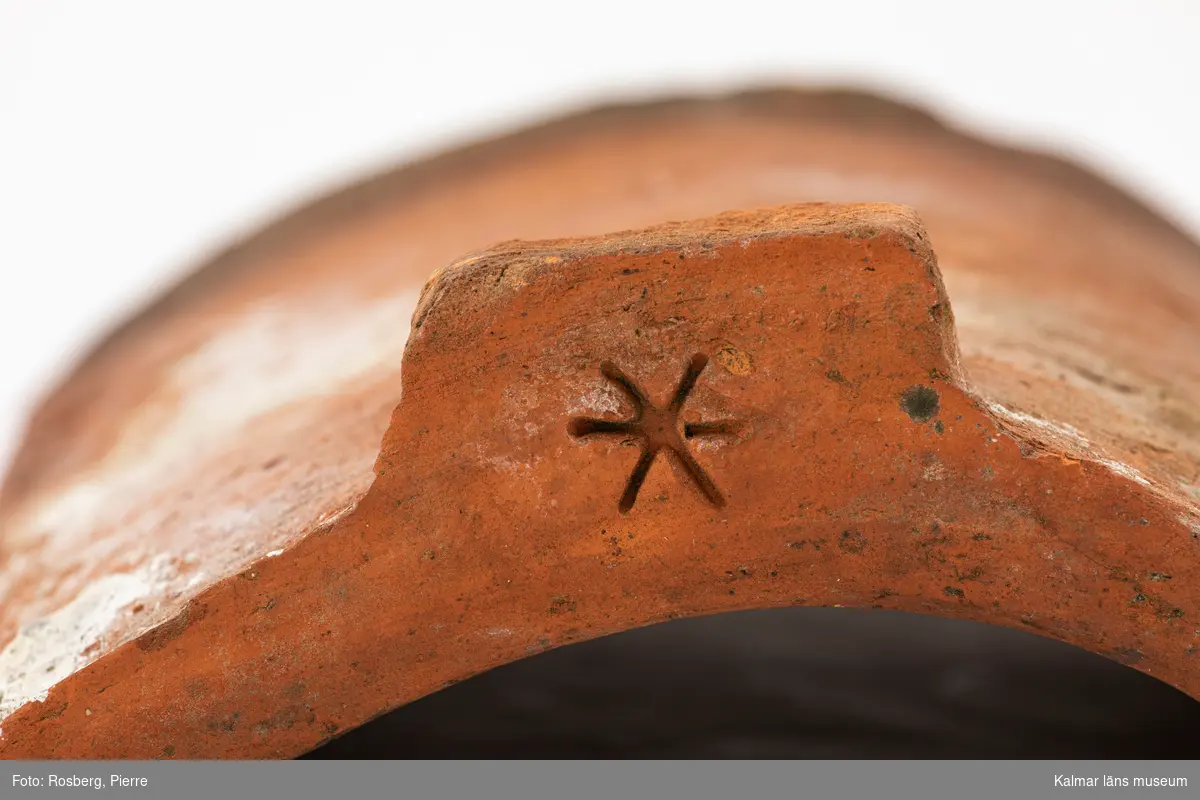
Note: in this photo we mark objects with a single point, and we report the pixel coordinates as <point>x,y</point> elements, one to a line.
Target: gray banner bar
<point>602,780</point>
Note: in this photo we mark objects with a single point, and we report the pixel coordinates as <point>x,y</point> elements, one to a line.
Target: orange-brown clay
<point>223,576</point>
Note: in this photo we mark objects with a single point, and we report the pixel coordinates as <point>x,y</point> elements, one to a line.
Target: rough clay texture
<point>191,563</point>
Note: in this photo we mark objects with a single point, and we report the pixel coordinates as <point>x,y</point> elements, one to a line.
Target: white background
<point>136,137</point>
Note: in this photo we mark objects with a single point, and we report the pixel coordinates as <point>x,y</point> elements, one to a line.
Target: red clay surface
<point>197,560</point>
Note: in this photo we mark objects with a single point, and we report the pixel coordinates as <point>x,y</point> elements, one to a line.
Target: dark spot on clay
<point>950,590</point>
<point>161,636</point>
<point>54,713</point>
<point>973,574</point>
<point>852,541</point>
<point>1030,450</point>
<point>561,603</point>
<point>981,537</point>
<point>168,751</point>
<point>939,427</point>
<point>920,403</point>
<point>1159,576</point>
<point>225,724</point>
<point>1127,656</point>
<point>1101,380</point>
<point>267,606</point>
<point>835,376</point>
<point>285,719</point>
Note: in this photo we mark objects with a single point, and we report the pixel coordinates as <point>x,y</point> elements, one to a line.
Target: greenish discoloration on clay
<point>920,403</point>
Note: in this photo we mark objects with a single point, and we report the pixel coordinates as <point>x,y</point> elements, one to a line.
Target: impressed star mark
<point>657,429</point>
